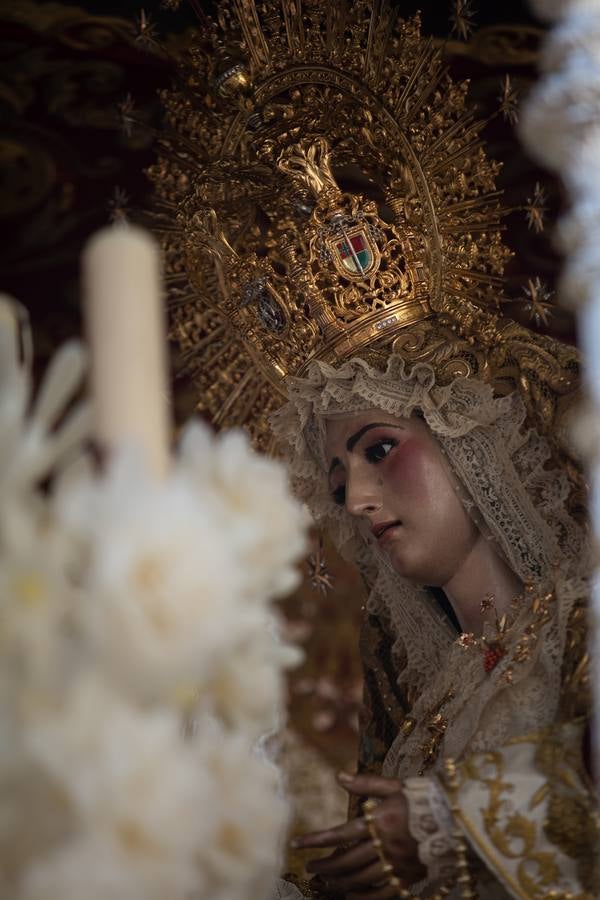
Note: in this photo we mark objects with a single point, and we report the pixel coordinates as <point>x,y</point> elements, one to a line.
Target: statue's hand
<point>356,865</point>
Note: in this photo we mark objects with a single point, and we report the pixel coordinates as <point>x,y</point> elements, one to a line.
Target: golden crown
<point>325,192</point>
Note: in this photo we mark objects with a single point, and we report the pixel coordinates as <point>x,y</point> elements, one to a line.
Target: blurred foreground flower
<point>140,656</point>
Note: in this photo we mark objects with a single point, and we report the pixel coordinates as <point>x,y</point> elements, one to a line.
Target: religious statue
<point>333,241</point>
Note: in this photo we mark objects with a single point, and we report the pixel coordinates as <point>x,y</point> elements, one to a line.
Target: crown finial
<point>309,162</point>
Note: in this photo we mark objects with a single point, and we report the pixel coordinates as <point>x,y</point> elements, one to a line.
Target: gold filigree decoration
<point>509,101</point>
<point>319,576</point>
<point>573,820</point>
<point>436,723</point>
<point>146,31</point>
<point>536,209</point>
<point>499,640</point>
<point>519,832</point>
<point>357,212</point>
<point>310,163</point>
<point>118,207</point>
<point>127,114</point>
<point>576,699</point>
<point>462,19</point>
<point>538,296</point>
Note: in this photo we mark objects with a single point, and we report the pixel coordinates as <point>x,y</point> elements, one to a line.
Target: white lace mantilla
<point>505,479</point>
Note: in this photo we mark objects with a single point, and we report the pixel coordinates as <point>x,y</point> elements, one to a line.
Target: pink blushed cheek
<point>407,468</point>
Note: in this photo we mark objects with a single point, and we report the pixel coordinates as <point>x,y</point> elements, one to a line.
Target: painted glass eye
<point>376,452</point>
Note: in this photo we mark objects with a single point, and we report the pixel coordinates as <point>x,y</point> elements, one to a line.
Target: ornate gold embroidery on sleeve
<point>534,822</point>
<point>573,821</point>
<point>576,689</point>
<point>513,835</point>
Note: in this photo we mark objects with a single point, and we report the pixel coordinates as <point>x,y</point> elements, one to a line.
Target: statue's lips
<point>385,530</point>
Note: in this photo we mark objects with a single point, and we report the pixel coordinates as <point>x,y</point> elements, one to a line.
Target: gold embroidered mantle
<point>531,817</point>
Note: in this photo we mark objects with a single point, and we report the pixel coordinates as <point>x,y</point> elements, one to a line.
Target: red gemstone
<point>492,657</point>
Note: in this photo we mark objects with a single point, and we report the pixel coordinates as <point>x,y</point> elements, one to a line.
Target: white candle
<point>9,337</point>
<point>125,324</point>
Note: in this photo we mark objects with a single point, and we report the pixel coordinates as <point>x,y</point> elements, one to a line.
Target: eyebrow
<point>355,438</point>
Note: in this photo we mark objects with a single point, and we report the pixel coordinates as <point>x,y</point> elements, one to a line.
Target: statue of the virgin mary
<point>333,246</point>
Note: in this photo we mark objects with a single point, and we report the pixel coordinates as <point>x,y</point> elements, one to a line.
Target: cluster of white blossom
<point>139,656</point>
<point>561,128</point>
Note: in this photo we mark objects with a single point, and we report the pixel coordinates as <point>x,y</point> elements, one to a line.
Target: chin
<point>416,569</point>
<point>406,568</point>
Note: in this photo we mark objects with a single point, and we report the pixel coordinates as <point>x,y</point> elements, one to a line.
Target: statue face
<point>391,474</point>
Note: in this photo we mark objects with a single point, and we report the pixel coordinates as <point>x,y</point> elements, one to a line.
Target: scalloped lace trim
<point>430,823</point>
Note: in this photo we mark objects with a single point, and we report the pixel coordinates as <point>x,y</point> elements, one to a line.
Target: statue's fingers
<point>366,877</point>
<point>354,830</point>
<point>341,863</point>
<point>369,785</point>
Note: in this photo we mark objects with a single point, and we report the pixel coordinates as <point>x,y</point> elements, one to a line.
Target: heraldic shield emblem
<point>353,252</point>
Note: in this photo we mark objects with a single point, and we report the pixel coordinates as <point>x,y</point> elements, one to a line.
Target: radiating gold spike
<point>381,25</point>
<point>200,14</point>
<point>165,230</point>
<point>460,127</point>
<point>172,278</point>
<point>294,26</point>
<point>164,208</point>
<point>187,161</point>
<point>253,33</point>
<point>218,352</point>
<point>459,228</point>
<point>426,55</point>
<point>250,396</point>
<point>373,23</point>
<point>180,141</point>
<point>473,203</point>
<point>383,50</point>
<point>481,277</point>
<point>204,342</point>
<point>235,394</point>
<point>177,300</point>
<point>445,161</point>
<point>451,291</point>
<point>337,14</point>
<point>437,75</point>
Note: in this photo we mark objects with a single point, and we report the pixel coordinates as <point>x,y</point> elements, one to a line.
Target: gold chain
<point>464,877</point>
<point>388,869</point>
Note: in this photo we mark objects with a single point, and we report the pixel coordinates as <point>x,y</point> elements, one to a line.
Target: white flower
<point>167,817</point>
<point>125,602</point>
<point>247,691</point>
<point>125,772</point>
<point>31,445</point>
<point>265,523</point>
<point>248,824</point>
<point>95,866</point>
<point>163,594</point>
<point>36,596</point>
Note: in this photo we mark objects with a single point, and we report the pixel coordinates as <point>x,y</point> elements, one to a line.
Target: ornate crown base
<point>382,327</point>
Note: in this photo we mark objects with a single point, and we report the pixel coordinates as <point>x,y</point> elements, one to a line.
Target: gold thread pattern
<point>522,831</point>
